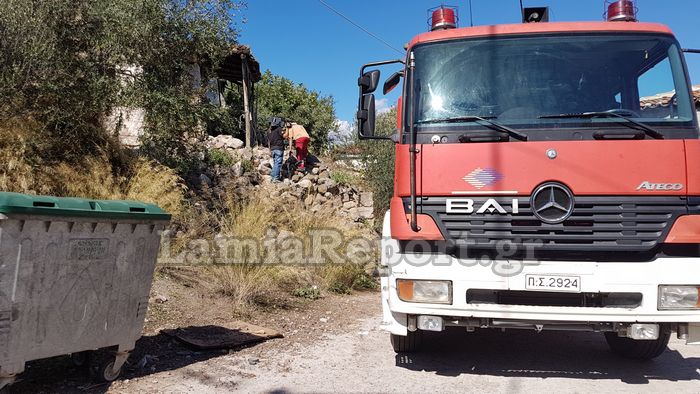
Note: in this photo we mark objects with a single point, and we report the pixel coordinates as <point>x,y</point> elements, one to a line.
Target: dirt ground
<point>159,358</point>
<point>334,345</point>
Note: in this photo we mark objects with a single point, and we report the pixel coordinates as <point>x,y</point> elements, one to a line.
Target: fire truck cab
<point>547,177</point>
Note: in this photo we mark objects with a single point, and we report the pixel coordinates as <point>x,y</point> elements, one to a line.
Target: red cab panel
<point>692,160</point>
<point>640,167</point>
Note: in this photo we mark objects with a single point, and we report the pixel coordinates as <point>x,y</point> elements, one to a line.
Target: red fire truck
<point>538,184</point>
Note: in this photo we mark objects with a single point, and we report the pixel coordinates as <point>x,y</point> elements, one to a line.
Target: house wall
<point>128,123</point>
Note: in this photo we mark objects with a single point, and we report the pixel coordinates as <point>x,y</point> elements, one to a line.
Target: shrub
<point>247,166</point>
<point>340,288</point>
<point>365,282</point>
<point>308,292</point>
<point>379,172</point>
<point>219,157</point>
<point>343,178</point>
<point>341,278</point>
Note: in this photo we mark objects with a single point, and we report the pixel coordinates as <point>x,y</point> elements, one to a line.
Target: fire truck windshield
<point>519,81</point>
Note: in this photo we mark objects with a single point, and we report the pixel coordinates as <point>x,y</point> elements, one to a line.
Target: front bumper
<point>596,277</point>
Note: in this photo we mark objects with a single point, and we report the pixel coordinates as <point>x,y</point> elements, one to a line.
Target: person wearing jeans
<point>276,143</point>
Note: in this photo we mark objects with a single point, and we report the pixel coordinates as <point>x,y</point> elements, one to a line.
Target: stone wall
<point>316,190</point>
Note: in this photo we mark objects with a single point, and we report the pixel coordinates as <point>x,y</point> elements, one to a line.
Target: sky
<point>309,44</point>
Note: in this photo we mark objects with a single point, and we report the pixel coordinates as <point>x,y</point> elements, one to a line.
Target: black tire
<point>638,349</point>
<point>407,344</point>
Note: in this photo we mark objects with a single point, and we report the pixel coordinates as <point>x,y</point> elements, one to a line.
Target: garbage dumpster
<point>75,277</point>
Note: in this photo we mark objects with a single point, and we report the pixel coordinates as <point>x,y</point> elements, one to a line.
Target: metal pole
<point>246,103</point>
<point>412,148</point>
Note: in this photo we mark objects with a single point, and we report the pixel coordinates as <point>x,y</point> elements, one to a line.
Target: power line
<point>471,15</point>
<point>360,27</point>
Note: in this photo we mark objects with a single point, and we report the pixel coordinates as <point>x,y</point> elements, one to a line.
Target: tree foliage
<point>379,159</point>
<point>279,96</point>
<point>68,63</point>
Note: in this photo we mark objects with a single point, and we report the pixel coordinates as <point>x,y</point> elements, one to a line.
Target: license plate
<point>553,283</point>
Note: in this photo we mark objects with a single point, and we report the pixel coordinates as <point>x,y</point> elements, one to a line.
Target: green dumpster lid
<point>62,206</point>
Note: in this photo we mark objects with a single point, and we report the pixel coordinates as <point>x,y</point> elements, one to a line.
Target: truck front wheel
<point>407,344</point>
<point>638,349</point>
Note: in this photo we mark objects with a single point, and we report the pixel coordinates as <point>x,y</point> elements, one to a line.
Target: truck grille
<point>544,298</point>
<point>597,223</point>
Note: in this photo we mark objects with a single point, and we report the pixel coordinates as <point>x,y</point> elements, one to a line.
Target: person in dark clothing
<point>276,144</point>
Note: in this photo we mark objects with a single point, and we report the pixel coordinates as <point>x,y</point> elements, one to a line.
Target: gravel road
<point>335,346</point>
<point>359,358</point>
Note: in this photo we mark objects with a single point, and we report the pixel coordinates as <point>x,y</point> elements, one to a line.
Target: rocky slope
<point>316,190</point>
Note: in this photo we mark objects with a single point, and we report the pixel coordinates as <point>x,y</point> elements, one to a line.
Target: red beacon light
<point>443,17</point>
<point>621,10</point>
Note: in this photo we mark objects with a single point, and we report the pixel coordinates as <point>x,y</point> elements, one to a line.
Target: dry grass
<point>248,217</point>
<point>157,184</point>
<point>246,285</point>
<point>17,170</point>
<point>93,179</point>
<point>251,283</point>
<point>22,171</point>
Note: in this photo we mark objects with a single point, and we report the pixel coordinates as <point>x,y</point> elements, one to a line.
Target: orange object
<point>399,112</point>
<point>588,167</point>
<point>692,161</point>
<point>401,227</point>
<point>405,289</point>
<point>686,230</point>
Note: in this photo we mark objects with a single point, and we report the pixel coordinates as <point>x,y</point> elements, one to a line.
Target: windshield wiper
<point>478,119</point>
<point>633,124</point>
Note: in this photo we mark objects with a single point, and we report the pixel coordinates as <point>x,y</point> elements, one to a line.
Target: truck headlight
<point>426,291</point>
<point>679,297</point>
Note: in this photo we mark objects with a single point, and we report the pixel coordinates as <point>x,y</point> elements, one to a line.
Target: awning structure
<point>241,68</point>
<point>232,67</point>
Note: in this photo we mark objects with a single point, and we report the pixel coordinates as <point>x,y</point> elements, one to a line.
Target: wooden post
<point>246,101</point>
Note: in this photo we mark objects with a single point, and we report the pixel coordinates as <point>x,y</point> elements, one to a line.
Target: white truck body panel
<point>635,277</point>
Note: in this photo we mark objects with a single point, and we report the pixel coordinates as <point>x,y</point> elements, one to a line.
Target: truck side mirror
<point>366,117</point>
<point>366,112</point>
<point>392,81</point>
<point>368,81</point>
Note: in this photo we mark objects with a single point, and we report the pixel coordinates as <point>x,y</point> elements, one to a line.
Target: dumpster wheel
<point>101,366</point>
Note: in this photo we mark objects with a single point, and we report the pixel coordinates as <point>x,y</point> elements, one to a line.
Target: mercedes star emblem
<point>552,202</point>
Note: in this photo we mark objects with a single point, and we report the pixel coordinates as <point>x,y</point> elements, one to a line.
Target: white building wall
<point>128,123</point>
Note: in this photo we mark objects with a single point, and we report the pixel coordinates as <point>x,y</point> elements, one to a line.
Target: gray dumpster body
<point>75,276</point>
